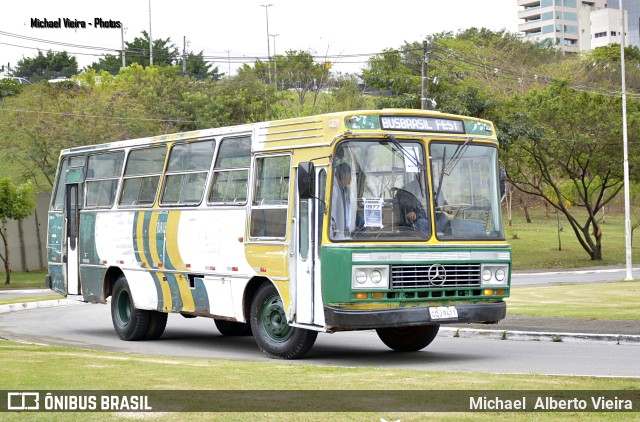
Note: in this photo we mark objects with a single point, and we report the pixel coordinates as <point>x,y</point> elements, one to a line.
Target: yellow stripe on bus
<point>171,237</point>
<point>173,252</point>
<point>166,292</point>
<point>188,305</point>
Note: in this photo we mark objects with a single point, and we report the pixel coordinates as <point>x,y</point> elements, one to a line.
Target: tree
<point>199,68</point>
<point>16,203</point>
<point>165,53</point>
<point>49,66</point>
<point>389,71</point>
<point>557,136</point>
<point>47,118</point>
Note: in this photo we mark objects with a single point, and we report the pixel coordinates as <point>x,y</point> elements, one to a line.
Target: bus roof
<point>324,129</point>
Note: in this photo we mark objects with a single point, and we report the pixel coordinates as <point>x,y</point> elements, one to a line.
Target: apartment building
<point>573,25</point>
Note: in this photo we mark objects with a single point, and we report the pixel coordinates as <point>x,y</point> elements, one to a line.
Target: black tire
<point>131,324</point>
<point>408,339</point>
<point>157,324</point>
<point>233,328</point>
<point>274,336</point>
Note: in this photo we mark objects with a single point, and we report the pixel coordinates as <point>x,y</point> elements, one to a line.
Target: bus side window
<point>187,171</point>
<point>103,174</point>
<point>231,172</point>
<point>271,197</point>
<point>142,176</point>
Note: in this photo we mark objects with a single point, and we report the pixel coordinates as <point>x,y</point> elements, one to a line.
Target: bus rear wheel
<point>408,339</point>
<point>273,334</point>
<point>131,324</point>
<point>233,328</point>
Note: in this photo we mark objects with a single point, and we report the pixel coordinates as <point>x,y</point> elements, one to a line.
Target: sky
<point>235,31</point>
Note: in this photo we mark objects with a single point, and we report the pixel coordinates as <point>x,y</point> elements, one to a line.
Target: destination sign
<point>421,124</point>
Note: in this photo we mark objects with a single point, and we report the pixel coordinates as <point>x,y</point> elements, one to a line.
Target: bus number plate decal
<point>443,312</point>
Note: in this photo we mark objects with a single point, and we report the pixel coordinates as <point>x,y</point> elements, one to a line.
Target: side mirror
<point>306,180</point>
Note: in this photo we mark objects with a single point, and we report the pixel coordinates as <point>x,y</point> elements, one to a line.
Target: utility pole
<point>184,55</point>
<point>124,62</point>
<point>229,62</point>
<point>424,105</point>
<point>275,62</point>
<point>150,38</point>
<point>627,201</point>
<point>266,11</point>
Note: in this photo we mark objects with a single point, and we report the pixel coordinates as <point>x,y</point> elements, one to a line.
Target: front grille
<point>435,276</point>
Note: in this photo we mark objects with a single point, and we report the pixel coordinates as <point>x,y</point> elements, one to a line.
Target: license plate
<point>443,312</point>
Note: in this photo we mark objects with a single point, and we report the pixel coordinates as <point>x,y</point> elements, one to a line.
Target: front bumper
<point>347,319</point>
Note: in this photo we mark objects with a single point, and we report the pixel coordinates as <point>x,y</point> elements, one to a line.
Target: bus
<point>385,220</point>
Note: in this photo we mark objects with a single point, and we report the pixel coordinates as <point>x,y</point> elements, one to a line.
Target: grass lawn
<point>39,367</point>
<point>536,245</point>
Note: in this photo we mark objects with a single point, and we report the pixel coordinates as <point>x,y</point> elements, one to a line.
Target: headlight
<point>376,276</point>
<point>370,277</point>
<point>494,275</point>
<point>487,274</point>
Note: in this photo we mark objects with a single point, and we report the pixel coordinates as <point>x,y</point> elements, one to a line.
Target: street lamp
<point>627,201</point>
<point>266,11</point>
<point>275,62</point>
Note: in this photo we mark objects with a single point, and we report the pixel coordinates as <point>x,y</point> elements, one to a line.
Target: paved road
<point>89,326</point>
<point>586,275</point>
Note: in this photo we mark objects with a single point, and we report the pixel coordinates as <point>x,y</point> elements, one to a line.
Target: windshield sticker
<point>373,213</point>
<point>410,164</point>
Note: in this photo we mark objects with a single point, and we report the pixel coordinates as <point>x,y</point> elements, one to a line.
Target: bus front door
<point>308,222</point>
<point>70,266</point>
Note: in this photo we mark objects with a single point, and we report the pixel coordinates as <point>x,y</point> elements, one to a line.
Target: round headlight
<point>486,274</point>
<point>361,276</point>
<point>376,276</point>
<point>500,274</point>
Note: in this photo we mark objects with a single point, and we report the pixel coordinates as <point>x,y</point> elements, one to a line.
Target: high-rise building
<point>573,25</point>
<point>632,8</point>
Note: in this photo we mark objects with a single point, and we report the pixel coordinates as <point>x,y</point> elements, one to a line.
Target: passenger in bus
<point>343,211</point>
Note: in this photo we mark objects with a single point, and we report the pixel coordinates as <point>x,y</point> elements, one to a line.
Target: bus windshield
<point>379,191</point>
<point>465,188</point>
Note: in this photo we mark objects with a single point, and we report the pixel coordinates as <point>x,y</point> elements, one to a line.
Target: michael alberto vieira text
<point>73,23</point>
<point>597,403</point>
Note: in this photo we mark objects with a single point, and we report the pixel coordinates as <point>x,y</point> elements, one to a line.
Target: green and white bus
<point>387,220</point>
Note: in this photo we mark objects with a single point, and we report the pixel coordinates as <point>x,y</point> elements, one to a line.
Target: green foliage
<point>165,53</point>
<point>49,66</point>
<point>563,146</point>
<point>198,68</point>
<point>9,87</point>
<point>394,71</point>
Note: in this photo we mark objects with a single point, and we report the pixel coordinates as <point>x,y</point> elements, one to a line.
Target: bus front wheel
<point>270,328</point>
<point>408,339</point>
<point>131,324</point>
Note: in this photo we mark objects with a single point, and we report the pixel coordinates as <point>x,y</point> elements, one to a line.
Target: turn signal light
<point>362,296</point>
<point>377,295</point>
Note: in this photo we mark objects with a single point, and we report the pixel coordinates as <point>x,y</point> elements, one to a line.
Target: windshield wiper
<point>414,160</point>
<point>447,168</point>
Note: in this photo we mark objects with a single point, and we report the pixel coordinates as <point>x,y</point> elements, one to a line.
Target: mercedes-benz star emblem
<point>437,275</point>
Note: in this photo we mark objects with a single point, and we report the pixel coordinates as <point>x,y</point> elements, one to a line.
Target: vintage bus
<point>386,220</point>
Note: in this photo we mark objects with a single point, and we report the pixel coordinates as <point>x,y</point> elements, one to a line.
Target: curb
<point>12,307</point>
<point>539,336</point>
<point>448,332</point>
